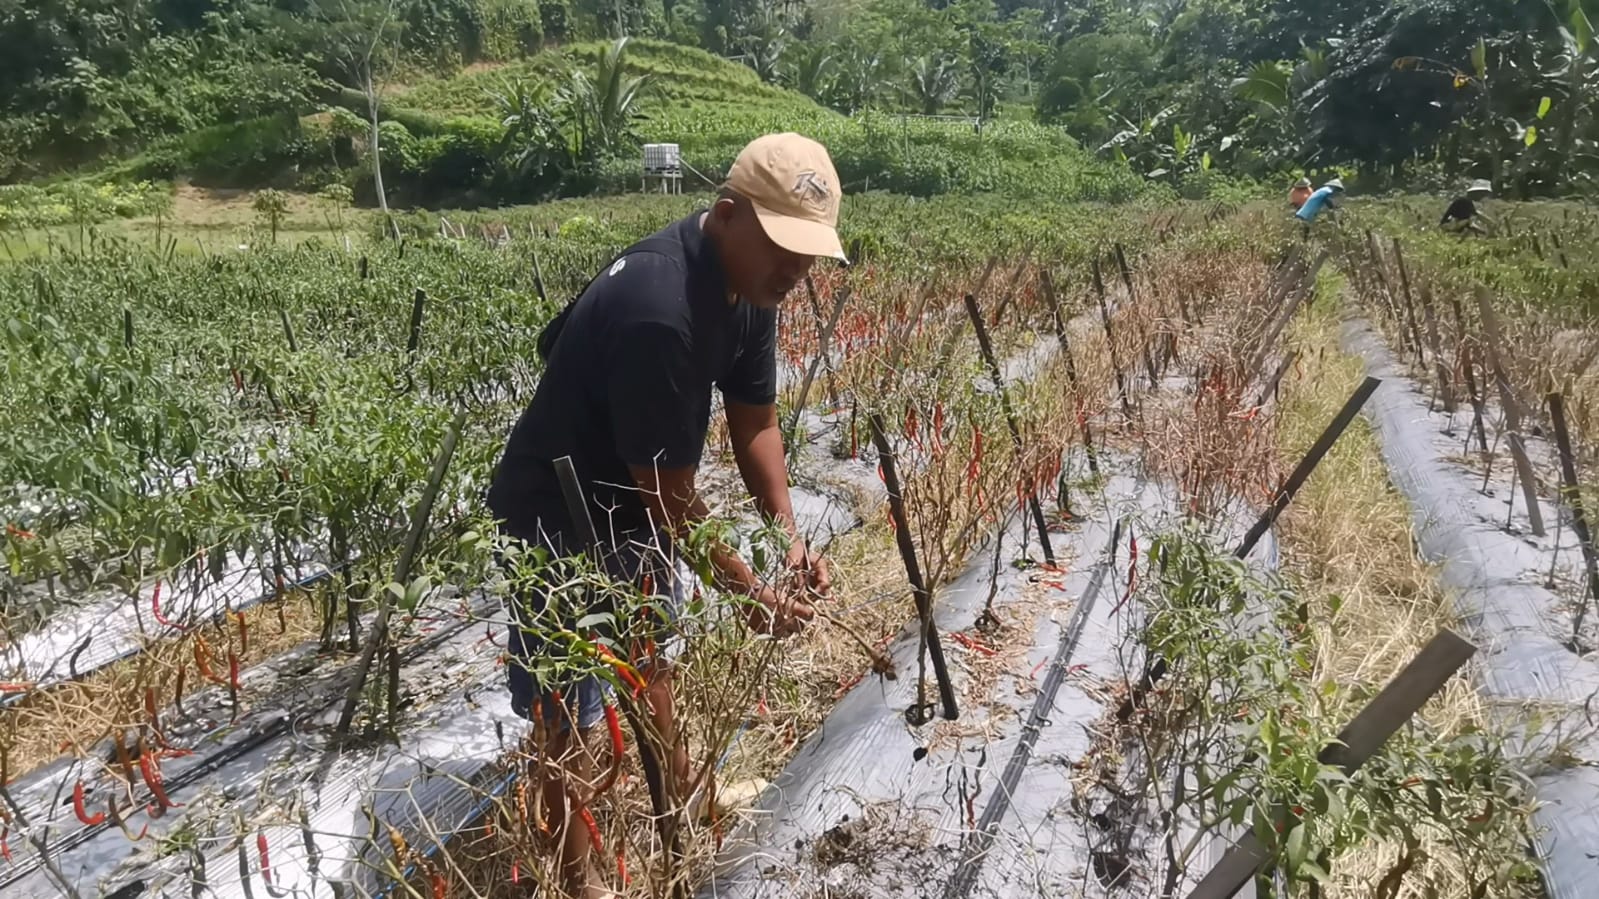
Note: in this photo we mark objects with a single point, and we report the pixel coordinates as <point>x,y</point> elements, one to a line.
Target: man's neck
<point>716,247</point>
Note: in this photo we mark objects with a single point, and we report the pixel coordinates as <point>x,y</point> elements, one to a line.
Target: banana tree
<point>1143,146</point>
<point>1579,74</point>
<point>934,82</point>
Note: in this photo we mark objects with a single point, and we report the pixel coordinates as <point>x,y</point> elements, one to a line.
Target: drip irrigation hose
<point>971,863</point>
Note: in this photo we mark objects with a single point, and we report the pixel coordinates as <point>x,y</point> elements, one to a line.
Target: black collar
<point>699,254</point>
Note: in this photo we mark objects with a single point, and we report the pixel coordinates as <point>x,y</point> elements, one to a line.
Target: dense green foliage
<point>1417,92</point>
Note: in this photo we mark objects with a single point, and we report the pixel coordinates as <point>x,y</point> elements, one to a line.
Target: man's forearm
<point>765,472</point>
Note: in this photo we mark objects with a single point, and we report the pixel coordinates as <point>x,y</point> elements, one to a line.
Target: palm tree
<point>599,111</point>
<point>934,82</point>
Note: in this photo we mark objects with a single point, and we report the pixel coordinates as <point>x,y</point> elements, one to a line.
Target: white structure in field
<point>664,167</point>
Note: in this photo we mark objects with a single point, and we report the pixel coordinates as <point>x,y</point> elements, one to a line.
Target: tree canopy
<point>1409,92</point>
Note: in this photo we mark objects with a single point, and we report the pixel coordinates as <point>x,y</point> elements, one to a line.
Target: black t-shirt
<point>629,383</point>
<point>1462,209</point>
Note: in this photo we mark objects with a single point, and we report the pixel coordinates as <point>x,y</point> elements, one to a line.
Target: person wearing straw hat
<point>1299,193</point>
<point>627,395</point>
<point>1319,200</point>
<point>1463,214</point>
<point>1316,202</point>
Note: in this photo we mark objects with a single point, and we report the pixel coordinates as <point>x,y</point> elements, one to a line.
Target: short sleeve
<point>753,378</point>
<point>650,385</point>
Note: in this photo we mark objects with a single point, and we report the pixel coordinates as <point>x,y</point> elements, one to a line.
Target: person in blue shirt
<point>1320,199</point>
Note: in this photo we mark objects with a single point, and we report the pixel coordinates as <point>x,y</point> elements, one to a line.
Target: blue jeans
<point>529,640</point>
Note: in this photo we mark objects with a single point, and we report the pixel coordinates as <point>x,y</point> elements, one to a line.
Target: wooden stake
<point>821,326</point>
<point>930,645</point>
<point>1132,297</point>
<point>1573,497</point>
<point>1048,285</point>
<point>1410,307</point>
<point>414,340</point>
<point>1529,483</point>
<point>824,338</point>
<point>1110,342</point>
<point>1301,473</point>
<point>1010,421</point>
<point>1398,702</point>
<point>402,575</point>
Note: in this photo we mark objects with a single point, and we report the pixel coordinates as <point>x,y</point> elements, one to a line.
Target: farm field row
<point>288,405</point>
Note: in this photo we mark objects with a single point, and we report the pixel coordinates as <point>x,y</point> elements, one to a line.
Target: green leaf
<point>1543,107</point>
<point>1531,136</point>
<point>1313,871</point>
<point>1296,849</point>
<point>1204,162</point>
<point>1479,59</point>
<point>1581,29</point>
<point>1267,84</point>
<point>588,622</point>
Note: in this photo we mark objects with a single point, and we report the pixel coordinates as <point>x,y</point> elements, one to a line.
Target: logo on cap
<point>812,188</point>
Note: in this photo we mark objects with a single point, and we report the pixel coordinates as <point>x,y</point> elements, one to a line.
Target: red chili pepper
<point>5,845</point>
<point>177,698</point>
<point>233,685</point>
<point>17,532</point>
<point>151,771</point>
<point>437,881</point>
<point>154,716</point>
<point>621,866</point>
<point>15,687</point>
<point>1132,572</point>
<point>974,468</point>
<point>77,807</point>
<point>760,707</point>
<point>202,658</point>
<point>238,381</point>
<point>622,669</point>
<point>618,750</point>
<point>266,865</point>
<point>614,725</point>
<point>846,685</point>
<point>155,607</point>
<point>122,755</point>
<point>973,644</point>
<point>516,871</point>
<point>593,828</point>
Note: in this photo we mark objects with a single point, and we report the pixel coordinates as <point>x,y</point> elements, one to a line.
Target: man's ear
<point>724,210</point>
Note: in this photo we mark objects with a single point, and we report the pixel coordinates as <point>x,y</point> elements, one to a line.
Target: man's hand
<point>781,614</point>
<point>807,572</point>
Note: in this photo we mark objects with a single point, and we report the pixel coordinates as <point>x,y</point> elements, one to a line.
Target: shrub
<point>71,202</point>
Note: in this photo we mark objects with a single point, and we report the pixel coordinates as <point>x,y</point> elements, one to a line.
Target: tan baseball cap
<point>791,182</point>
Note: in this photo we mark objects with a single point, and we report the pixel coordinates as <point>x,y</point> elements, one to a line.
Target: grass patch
<point>1374,604</point>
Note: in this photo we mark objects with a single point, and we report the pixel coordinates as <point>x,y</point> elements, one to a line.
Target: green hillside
<point>682,77</point>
